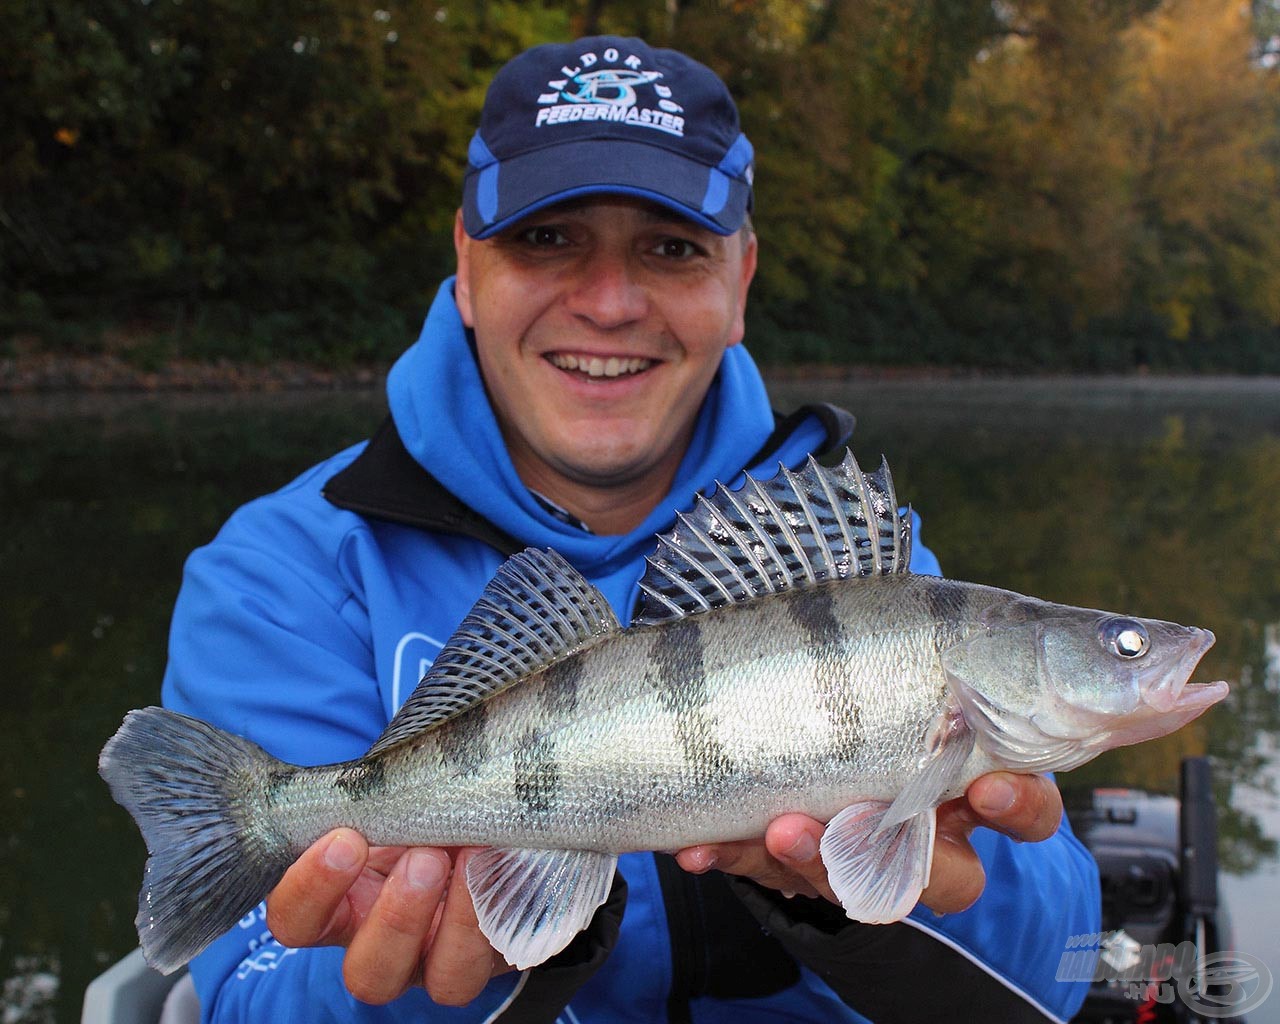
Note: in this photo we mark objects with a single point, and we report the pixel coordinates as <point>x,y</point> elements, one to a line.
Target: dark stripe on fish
<point>682,691</point>
<point>948,603</point>
<point>678,653</point>
<point>464,745</point>
<point>362,779</point>
<point>537,774</point>
<point>815,613</point>
<point>278,781</point>
<point>947,600</point>
<point>560,688</point>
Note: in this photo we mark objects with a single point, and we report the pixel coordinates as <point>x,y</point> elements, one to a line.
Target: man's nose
<point>608,292</point>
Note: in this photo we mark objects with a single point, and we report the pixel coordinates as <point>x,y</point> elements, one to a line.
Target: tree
<point>1201,120</point>
<point>1125,167</point>
<point>284,175</point>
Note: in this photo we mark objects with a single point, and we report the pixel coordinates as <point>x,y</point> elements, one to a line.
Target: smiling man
<point>599,326</point>
<point>576,383</point>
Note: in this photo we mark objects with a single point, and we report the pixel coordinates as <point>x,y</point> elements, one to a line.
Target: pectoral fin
<point>877,874</point>
<point>531,903</point>
<point>947,748</point>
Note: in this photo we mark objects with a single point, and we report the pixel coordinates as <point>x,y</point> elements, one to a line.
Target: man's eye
<point>543,236</point>
<point>676,248</point>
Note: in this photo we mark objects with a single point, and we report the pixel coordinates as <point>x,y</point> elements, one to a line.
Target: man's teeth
<point>597,367</point>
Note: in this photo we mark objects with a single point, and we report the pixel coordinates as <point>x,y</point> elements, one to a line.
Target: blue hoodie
<point>308,620</point>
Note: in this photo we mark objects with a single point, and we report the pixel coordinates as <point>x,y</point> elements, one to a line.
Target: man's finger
<point>460,961</point>
<point>747,858</point>
<point>309,904</point>
<point>957,877</point>
<point>793,841</point>
<point>752,859</point>
<point>1024,807</point>
<point>385,955</point>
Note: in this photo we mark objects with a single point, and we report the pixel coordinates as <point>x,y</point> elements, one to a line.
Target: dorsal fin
<point>795,530</point>
<point>537,610</point>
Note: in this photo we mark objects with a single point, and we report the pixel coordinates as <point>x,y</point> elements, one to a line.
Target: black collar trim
<point>838,423</point>
<point>386,482</point>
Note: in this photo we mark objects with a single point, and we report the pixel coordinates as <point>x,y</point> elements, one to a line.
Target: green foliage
<point>1036,184</point>
<point>281,178</point>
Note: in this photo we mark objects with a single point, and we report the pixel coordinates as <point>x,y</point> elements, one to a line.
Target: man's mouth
<point>594,366</point>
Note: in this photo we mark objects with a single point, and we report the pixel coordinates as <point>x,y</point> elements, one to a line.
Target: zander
<point>783,660</point>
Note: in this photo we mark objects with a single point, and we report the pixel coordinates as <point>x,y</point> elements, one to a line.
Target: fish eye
<point>1125,638</point>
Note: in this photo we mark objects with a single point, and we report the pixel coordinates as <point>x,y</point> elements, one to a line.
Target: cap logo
<point>611,93</point>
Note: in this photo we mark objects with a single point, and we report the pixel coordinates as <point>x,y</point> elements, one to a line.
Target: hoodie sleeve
<point>997,960</point>
<point>270,640</point>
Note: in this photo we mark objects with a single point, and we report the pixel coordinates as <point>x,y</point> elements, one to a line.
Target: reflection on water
<point>100,501</point>
<point>1157,498</point>
<point>1160,498</point>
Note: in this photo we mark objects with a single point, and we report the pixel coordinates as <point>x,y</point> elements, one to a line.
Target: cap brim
<point>497,196</point>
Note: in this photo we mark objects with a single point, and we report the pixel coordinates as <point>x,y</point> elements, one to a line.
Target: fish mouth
<point>1150,723</point>
<point>1198,697</point>
<point>1172,691</point>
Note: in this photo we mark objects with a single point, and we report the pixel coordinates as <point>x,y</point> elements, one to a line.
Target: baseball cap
<point>607,115</point>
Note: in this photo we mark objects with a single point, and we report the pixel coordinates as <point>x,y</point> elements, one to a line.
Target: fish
<point>783,659</point>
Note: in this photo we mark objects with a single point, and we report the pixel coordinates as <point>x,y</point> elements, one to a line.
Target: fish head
<point>1047,687</point>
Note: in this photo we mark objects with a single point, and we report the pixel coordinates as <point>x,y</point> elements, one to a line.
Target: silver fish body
<point>665,736</point>
<point>775,670</point>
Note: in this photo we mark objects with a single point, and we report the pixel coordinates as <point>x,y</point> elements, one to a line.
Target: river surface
<point>1158,497</point>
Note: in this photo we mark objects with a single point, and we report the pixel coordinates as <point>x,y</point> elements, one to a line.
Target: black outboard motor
<point>1157,857</point>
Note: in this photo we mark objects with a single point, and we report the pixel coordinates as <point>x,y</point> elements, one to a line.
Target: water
<point>1158,497</point>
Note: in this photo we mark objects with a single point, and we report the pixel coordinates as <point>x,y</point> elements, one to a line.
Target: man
<point>576,383</point>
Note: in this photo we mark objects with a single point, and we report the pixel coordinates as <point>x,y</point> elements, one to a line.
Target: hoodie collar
<point>442,416</point>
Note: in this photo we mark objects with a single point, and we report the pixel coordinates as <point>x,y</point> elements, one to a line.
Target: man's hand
<point>1026,807</point>
<point>404,915</point>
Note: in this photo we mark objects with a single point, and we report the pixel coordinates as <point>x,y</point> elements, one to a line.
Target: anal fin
<point>878,873</point>
<point>531,903</point>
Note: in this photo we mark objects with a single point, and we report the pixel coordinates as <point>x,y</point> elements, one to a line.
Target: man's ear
<point>462,286</point>
<point>750,252</point>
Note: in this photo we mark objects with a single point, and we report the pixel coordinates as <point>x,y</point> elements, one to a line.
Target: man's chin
<point>606,471</point>
<point>612,459</point>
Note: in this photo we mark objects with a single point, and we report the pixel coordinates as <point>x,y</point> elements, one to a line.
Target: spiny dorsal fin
<point>796,530</point>
<point>537,610</point>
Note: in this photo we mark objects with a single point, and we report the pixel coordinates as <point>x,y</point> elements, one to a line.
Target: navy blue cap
<point>607,115</point>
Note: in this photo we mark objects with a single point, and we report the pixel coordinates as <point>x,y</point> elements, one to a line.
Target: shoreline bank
<point>46,373</point>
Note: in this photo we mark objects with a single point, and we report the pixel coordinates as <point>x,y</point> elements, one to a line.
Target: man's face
<point>599,325</point>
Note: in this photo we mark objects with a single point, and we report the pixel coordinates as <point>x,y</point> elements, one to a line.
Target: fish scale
<point>762,694</point>
<point>783,660</point>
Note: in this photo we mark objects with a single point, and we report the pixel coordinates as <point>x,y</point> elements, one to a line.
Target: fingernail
<point>997,796</point>
<point>424,870</point>
<point>803,849</point>
<point>341,854</point>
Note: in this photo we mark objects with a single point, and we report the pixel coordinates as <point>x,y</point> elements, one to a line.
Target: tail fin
<point>197,795</point>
